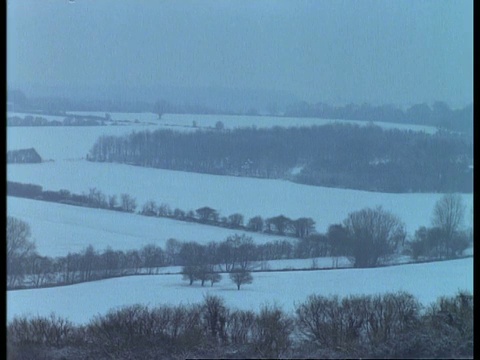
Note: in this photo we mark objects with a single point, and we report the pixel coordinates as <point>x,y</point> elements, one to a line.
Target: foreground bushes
<point>381,326</point>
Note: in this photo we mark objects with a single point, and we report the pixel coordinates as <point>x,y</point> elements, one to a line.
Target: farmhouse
<point>23,156</point>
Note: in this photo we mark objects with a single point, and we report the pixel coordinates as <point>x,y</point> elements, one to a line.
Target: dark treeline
<point>439,114</point>
<point>95,198</point>
<point>277,225</point>
<point>392,325</point>
<point>336,155</point>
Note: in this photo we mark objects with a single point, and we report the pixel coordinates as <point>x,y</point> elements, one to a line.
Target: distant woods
<point>337,155</point>
<point>439,114</point>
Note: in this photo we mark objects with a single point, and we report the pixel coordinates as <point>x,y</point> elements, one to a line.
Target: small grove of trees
<point>203,263</point>
<point>446,238</point>
<point>392,325</point>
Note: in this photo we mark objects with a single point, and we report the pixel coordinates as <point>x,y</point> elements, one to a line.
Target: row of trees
<point>368,236</point>
<point>94,198</point>
<point>279,225</point>
<point>335,155</point>
<point>393,325</point>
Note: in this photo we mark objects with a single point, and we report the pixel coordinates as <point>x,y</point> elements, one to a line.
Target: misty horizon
<point>399,53</point>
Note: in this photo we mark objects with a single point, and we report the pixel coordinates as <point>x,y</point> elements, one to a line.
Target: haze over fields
<point>239,179</point>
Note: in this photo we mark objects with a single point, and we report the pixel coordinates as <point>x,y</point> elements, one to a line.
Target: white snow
<point>58,229</point>
<point>63,142</point>
<point>81,302</point>
<point>227,194</point>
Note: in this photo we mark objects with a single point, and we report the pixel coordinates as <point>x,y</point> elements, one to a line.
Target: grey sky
<point>399,52</point>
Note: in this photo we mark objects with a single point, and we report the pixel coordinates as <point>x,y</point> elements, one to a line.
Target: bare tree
<point>271,332</point>
<point>172,251</point>
<point>214,277</point>
<point>19,248</point>
<point>206,214</point>
<point>303,227</point>
<point>375,233</point>
<point>448,216</point>
<point>240,277</point>
<point>149,208</point>
<point>255,224</point>
<point>112,202</point>
<point>128,203</point>
<point>215,315</point>
<point>235,220</point>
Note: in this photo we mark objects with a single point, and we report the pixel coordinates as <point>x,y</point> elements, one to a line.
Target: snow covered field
<point>59,229</point>
<point>64,142</point>
<point>227,194</point>
<point>81,302</point>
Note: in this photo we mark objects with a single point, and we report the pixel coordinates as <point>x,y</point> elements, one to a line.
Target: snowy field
<point>226,194</point>
<point>81,302</point>
<point>59,229</point>
<point>64,142</point>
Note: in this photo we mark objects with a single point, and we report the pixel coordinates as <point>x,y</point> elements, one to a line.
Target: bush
<point>271,332</point>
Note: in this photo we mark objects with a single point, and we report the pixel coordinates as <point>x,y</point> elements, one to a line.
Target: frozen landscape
<point>241,179</point>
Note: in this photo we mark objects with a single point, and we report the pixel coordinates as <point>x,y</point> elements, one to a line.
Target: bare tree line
<point>392,325</point>
<point>277,225</point>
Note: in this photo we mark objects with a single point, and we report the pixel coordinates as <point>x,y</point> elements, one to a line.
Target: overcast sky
<point>399,52</point>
